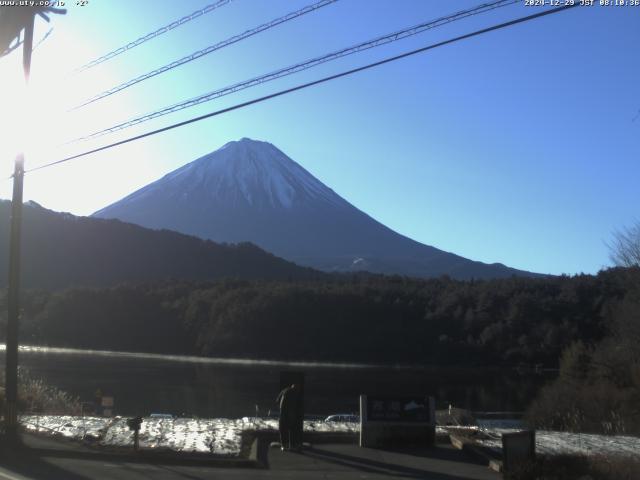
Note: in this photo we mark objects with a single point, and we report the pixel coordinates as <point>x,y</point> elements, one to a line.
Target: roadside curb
<point>254,449</point>
<point>58,446</point>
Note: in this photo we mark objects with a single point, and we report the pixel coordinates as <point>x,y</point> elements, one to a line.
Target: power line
<point>307,85</point>
<point>208,50</point>
<point>149,36</point>
<point>305,65</point>
<point>42,40</point>
<point>19,43</point>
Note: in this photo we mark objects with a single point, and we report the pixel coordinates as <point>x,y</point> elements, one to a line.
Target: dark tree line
<point>372,319</point>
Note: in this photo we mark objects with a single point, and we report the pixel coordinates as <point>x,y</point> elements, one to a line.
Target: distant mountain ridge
<point>61,250</point>
<point>251,191</point>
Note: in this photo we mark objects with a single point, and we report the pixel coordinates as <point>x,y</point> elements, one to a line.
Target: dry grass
<point>36,396</point>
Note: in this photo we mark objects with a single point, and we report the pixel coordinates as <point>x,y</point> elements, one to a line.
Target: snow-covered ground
<point>557,443</point>
<point>219,436</point>
<point>222,436</point>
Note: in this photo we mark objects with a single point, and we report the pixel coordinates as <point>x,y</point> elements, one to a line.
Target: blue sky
<point>518,146</point>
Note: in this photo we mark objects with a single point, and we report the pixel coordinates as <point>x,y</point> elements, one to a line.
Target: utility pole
<point>13,295</point>
<point>24,19</point>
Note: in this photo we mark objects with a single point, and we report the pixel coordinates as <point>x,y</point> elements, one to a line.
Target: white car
<point>161,415</point>
<point>343,417</point>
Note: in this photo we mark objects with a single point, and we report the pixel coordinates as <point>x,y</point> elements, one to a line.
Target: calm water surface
<point>142,384</point>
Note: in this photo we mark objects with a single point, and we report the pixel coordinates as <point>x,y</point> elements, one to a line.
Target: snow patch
<point>559,443</point>
<point>222,436</point>
<point>218,436</point>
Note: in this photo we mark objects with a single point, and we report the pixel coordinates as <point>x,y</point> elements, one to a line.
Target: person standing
<point>289,399</point>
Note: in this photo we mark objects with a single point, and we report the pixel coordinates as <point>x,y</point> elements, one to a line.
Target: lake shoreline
<point>42,349</point>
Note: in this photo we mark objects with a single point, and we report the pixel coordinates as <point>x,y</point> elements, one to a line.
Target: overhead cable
<point>305,85</point>
<point>298,67</point>
<point>207,51</point>
<point>154,34</point>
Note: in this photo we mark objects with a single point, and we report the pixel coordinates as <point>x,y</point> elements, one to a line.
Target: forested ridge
<point>60,250</point>
<point>376,319</point>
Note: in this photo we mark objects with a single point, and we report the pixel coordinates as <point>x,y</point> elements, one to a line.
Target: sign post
<point>107,406</point>
<point>134,425</point>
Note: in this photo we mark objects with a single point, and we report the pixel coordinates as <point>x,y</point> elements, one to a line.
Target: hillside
<point>61,250</point>
<point>363,319</point>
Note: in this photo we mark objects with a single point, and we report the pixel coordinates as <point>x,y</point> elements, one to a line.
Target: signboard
<point>399,409</point>
<point>107,402</point>
<point>394,419</point>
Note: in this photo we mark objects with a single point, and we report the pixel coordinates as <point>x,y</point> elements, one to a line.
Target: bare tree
<point>624,250</point>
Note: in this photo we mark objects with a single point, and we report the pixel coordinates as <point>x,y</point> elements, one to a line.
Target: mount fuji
<point>251,191</point>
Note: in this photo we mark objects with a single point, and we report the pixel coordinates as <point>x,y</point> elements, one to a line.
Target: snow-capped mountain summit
<point>245,172</point>
<point>251,191</point>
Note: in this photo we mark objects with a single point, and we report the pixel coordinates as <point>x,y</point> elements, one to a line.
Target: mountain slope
<point>61,250</point>
<point>251,191</point>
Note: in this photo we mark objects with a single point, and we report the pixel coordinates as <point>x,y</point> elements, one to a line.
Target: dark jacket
<point>288,400</point>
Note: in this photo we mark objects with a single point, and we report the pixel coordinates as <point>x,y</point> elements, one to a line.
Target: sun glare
<point>36,118</point>
<point>37,121</point>
<point>28,114</point>
<point>12,122</point>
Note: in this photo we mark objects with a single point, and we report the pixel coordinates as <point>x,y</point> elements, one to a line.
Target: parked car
<point>343,417</point>
<point>161,415</point>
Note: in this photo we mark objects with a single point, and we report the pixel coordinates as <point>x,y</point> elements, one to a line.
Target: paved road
<point>334,461</point>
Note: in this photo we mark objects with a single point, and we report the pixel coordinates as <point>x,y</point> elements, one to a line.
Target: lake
<point>203,387</point>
